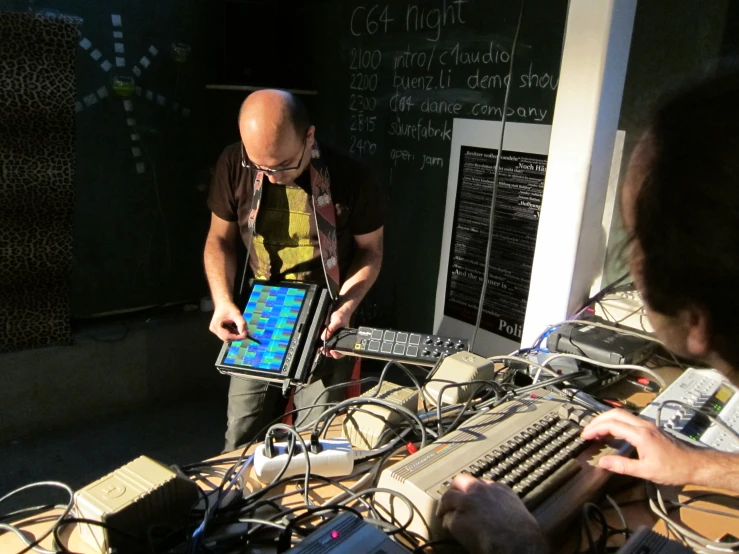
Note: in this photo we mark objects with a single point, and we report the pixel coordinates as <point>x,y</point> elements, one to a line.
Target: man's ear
<point>697,327</point>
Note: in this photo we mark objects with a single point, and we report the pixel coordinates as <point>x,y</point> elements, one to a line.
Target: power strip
<point>458,368</point>
<point>336,459</point>
<point>365,428</point>
<point>133,498</point>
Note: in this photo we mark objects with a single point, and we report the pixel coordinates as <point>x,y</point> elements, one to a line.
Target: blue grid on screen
<point>271,313</point>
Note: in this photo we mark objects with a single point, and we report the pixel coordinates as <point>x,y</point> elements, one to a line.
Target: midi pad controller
<point>401,346</point>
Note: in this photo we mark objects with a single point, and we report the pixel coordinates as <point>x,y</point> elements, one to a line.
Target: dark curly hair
<point>686,216</point>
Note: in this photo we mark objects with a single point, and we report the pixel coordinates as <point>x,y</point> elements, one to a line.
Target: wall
<point>112,367</point>
<point>143,162</point>
<point>138,235</point>
<point>673,40</point>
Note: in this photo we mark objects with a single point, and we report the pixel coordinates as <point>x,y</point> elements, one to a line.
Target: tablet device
<point>286,318</point>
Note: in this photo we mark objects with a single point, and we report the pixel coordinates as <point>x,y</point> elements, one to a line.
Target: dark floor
<point>179,433</point>
<point>172,433</point>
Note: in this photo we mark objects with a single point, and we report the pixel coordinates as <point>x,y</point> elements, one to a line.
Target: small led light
<point>334,534</point>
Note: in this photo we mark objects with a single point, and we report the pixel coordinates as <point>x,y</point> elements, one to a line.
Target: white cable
<point>713,419</point>
<point>617,367</point>
<point>693,539</point>
<point>496,177</point>
<point>357,487</point>
<point>527,362</point>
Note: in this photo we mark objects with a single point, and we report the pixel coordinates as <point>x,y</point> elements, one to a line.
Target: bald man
<point>278,139</point>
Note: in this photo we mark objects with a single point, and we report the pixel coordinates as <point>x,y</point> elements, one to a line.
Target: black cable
<point>284,540</point>
<point>597,545</point>
<point>257,497</point>
<point>371,414</point>
<point>373,490</point>
<point>553,381</point>
<point>290,441</point>
<point>466,406</point>
<point>32,545</point>
<point>405,413</point>
<point>326,481</point>
<point>239,459</point>
<point>453,385</point>
<point>34,510</point>
<point>379,381</point>
<point>598,296</point>
<point>362,381</point>
<point>409,373</point>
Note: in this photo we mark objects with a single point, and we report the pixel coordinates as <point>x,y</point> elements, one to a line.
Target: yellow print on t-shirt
<point>282,241</point>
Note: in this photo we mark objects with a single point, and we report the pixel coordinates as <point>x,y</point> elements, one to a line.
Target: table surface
<point>630,496</point>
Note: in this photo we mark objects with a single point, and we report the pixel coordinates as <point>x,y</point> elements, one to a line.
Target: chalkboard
<point>395,76</point>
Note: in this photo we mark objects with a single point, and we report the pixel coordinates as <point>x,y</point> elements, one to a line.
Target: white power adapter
<point>365,428</point>
<point>335,459</point>
<point>458,368</point>
<point>134,497</point>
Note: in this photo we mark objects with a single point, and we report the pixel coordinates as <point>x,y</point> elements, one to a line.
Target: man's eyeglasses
<point>272,170</point>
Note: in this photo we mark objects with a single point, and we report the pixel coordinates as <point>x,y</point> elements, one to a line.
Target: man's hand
<point>488,518</point>
<point>338,320</point>
<point>228,323</point>
<point>661,459</point>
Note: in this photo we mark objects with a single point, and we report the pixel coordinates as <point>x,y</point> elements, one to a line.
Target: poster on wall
<point>521,175</point>
<point>518,201</point>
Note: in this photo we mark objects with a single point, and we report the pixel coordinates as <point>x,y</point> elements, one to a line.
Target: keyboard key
<point>412,351</point>
<point>475,469</point>
<point>518,457</point>
<point>444,487</point>
<point>530,465</point>
<point>414,339</point>
<point>399,350</point>
<point>580,445</point>
<point>522,488</point>
<point>493,456</point>
<point>542,491</point>
<point>517,474</point>
<point>389,335</point>
<point>402,337</point>
<point>506,465</point>
<point>377,334</point>
<point>387,348</point>
<point>374,346</point>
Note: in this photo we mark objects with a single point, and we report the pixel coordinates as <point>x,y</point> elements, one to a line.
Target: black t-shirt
<point>285,243</point>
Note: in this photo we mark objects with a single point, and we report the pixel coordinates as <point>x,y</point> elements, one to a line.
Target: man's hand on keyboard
<point>661,459</point>
<point>488,518</point>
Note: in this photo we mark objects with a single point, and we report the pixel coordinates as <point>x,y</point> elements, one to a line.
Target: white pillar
<point>570,245</point>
